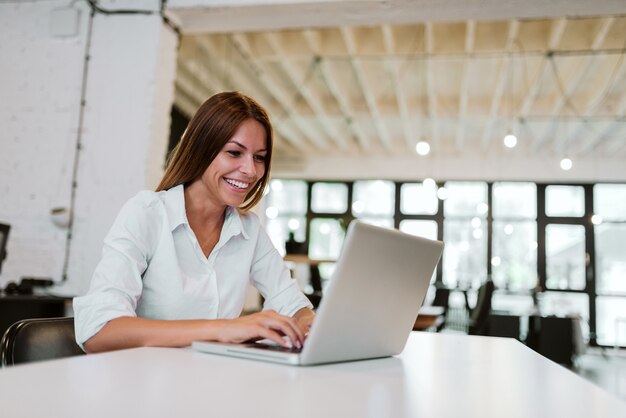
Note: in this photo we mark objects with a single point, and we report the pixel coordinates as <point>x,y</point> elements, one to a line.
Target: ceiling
<point>559,84</point>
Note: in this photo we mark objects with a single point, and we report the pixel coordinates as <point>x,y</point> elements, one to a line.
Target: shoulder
<point>143,203</point>
<point>249,219</point>
<point>143,211</point>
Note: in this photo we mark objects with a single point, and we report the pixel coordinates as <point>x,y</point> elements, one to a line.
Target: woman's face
<point>238,166</point>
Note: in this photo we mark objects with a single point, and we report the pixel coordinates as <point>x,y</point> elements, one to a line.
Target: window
<point>609,204</point>
<point>565,201</point>
<point>514,232</point>
<point>465,234</point>
<point>418,199</point>
<point>286,211</point>
<point>424,229</point>
<point>565,257</point>
<point>326,238</point>
<point>329,198</point>
<point>503,241</point>
<point>373,198</point>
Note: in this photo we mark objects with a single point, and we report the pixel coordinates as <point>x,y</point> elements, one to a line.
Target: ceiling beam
<point>590,143</point>
<point>430,87</point>
<point>393,70</point>
<point>583,71</point>
<point>302,88</point>
<point>284,115</point>
<point>312,40</point>
<point>470,39</point>
<point>285,130</point>
<point>556,32</point>
<point>503,79</point>
<point>364,84</point>
<point>220,16</point>
<point>602,136</point>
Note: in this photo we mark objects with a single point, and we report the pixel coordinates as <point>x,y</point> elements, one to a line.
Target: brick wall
<point>128,94</point>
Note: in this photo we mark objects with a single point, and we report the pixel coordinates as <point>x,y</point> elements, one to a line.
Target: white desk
<point>438,375</point>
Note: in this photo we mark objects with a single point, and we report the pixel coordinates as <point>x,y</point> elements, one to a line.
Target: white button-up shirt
<point>153,267</point>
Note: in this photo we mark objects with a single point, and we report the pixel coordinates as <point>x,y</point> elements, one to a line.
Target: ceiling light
<point>482,207</point>
<point>293,224</point>
<point>271,212</point>
<point>566,164</point>
<point>429,183</point>
<point>422,148</point>
<point>442,193</point>
<point>510,141</point>
<point>596,219</point>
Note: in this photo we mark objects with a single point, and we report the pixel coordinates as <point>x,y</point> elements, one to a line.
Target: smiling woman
<point>177,262</point>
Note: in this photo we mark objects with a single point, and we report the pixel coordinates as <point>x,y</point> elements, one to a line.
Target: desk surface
<point>437,375</point>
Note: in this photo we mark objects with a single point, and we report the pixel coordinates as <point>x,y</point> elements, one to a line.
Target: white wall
<point>128,94</point>
<point>40,88</point>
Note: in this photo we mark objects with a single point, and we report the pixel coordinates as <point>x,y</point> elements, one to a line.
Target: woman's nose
<point>248,167</point>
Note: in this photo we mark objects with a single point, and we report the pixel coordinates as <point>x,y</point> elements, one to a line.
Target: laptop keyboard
<point>275,347</point>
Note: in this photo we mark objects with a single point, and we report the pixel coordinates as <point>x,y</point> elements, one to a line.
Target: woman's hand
<point>304,318</point>
<point>266,324</point>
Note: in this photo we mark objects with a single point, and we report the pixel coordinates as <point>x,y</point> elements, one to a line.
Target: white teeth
<point>237,184</point>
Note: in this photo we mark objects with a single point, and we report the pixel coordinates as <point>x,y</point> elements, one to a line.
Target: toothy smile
<point>237,184</point>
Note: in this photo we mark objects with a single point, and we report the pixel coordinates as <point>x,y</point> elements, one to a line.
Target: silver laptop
<point>369,306</point>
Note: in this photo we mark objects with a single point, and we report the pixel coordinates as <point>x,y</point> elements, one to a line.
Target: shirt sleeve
<point>271,277</point>
<point>116,285</point>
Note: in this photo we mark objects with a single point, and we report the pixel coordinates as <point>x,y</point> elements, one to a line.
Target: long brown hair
<point>214,123</point>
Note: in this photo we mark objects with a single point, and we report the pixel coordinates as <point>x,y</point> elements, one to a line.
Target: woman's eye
<point>234,153</point>
<point>260,158</point>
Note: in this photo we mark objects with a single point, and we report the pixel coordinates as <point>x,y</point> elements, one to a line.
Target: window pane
<point>278,229</point>
<point>514,256</point>
<point>565,201</point>
<point>373,198</point>
<point>515,200</point>
<point>567,304</point>
<point>511,303</point>
<point>329,198</point>
<point>466,199</point>
<point>288,196</point>
<point>610,242</point>
<point>611,320</point>
<point>383,222</point>
<point>465,254</point>
<point>424,229</point>
<point>565,256</point>
<point>326,238</point>
<point>415,198</point>
<point>609,201</point>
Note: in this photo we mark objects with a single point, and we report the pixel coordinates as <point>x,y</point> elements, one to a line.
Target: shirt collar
<point>233,224</point>
<point>174,200</point>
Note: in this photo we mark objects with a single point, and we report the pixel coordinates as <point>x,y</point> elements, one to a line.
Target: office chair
<point>38,339</point>
<point>442,298</point>
<point>479,317</point>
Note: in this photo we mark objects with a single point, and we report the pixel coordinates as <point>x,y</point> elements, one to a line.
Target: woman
<point>177,262</point>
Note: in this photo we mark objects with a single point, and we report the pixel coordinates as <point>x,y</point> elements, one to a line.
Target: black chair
<point>479,316</point>
<point>38,339</point>
<point>442,298</point>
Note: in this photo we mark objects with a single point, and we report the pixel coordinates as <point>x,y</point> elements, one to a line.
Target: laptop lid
<point>368,308</point>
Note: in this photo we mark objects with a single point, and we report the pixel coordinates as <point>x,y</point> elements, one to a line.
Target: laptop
<point>369,306</point>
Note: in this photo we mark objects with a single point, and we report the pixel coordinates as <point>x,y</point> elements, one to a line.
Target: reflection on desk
<point>437,375</point>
